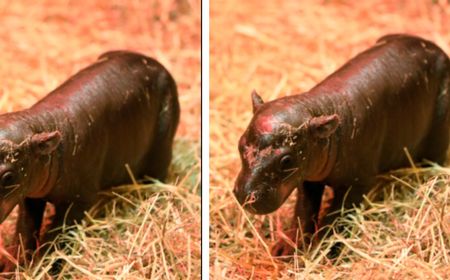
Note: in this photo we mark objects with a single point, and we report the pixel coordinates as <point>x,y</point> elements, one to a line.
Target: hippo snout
<point>256,199</point>
<point>248,196</point>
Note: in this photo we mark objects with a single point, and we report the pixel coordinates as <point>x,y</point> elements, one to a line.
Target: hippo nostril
<point>253,196</point>
<point>250,199</point>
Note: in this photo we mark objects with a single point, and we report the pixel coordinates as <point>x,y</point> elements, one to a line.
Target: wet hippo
<point>345,131</point>
<point>76,141</point>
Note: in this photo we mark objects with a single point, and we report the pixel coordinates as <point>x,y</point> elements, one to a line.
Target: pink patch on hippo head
<point>277,152</point>
<point>265,124</point>
<point>250,154</point>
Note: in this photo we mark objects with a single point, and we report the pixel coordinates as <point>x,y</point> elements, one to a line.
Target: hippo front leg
<point>304,223</point>
<point>28,228</point>
<point>66,215</point>
<point>344,198</point>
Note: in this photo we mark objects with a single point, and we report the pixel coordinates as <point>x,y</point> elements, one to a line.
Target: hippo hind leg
<point>437,150</point>
<point>437,143</point>
<point>158,158</point>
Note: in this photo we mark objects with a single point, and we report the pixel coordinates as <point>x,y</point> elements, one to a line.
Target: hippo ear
<point>257,101</point>
<point>323,126</point>
<point>46,142</point>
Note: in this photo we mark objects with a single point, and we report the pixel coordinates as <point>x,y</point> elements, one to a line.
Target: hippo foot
<point>7,260</point>
<point>286,252</point>
<point>286,245</point>
<point>56,268</point>
<point>7,266</point>
<point>283,249</point>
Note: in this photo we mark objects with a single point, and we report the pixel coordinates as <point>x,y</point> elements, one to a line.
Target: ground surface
<point>143,231</point>
<point>285,47</point>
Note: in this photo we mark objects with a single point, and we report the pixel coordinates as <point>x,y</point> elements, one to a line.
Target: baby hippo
<point>345,131</point>
<point>76,141</point>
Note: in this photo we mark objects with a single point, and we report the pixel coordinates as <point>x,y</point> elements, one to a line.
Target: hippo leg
<point>344,198</point>
<point>29,222</point>
<point>66,215</point>
<point>437,143</point>
<point>159,157</point>
<point>305,220</point>
<point>28,227</point>
<point>159,161</point>
<point>437,152</point>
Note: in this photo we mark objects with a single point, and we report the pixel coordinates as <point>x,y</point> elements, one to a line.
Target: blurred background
<point>43,43</point>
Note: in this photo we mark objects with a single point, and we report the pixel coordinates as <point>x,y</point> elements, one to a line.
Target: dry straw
<point>142,231</point>
<point>286,47</point>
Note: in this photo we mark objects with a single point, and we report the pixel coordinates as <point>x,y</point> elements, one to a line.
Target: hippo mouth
<point>266,199</point>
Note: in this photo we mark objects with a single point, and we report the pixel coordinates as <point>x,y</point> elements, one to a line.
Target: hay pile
<point>282,48</point>
<point>144,231</point>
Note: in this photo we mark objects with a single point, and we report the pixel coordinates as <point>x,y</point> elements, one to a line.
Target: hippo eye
<point>8,178</point>
<point>286,163</point>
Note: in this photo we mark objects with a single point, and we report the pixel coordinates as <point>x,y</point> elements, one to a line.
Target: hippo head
<point>24,166</point>
<point>282,147</point>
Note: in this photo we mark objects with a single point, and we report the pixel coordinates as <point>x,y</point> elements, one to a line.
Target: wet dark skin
<point>345,131</point>
<point>76,141</point>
